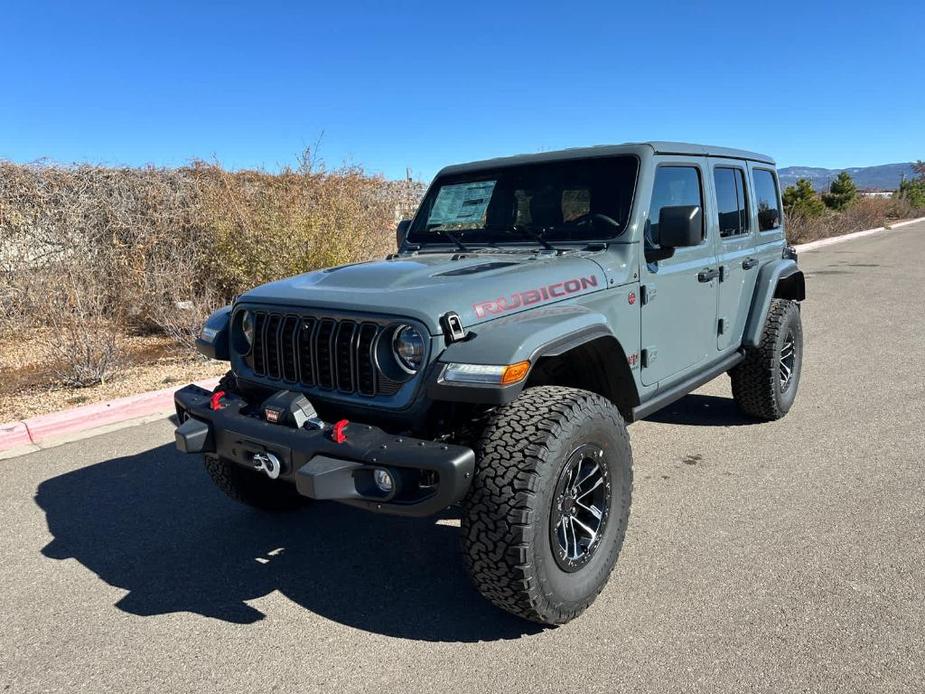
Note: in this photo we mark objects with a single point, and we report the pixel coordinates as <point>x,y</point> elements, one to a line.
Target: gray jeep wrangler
<point>535,306</point>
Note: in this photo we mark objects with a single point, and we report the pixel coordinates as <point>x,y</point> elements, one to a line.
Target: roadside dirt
<point>28,386</point>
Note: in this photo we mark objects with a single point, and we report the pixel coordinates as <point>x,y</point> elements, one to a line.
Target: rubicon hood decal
<point>556,290</point>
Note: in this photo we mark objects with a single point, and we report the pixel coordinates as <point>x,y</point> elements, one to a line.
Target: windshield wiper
<point>459,244</point>
<point>530,233</point>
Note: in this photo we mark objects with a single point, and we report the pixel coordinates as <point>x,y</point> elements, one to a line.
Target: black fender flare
<point>214,340</point>
<point>532,336</point>
<point>779,279</point>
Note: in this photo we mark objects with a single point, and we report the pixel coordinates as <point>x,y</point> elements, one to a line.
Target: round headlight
<point>408,346</point>
<point>248,328</point>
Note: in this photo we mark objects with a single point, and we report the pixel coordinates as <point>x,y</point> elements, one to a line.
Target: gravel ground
<point>28,388</point>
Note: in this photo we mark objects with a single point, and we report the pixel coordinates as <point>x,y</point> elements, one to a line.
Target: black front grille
<point>319,352</point>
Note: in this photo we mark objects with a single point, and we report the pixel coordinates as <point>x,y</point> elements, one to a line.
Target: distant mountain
<point>883,177</point>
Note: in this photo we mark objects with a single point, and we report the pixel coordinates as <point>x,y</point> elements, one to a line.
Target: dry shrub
<point>107,224</point>
<point>265,226</point>
<point>93,250</point>
<point>82,341</point>
<point>863,213</point>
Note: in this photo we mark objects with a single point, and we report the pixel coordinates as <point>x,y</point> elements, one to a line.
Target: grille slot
<point>324,353</point>
<point>288,351</point>
<point>366,370</point>
<point>316,352</point>
<point>260,362</point>
<point>344,355</point>
<point>305,335</point>
<point>271,340</point>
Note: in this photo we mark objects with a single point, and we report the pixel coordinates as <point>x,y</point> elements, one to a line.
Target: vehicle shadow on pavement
<point>702,411</point>
<point>154,525</point>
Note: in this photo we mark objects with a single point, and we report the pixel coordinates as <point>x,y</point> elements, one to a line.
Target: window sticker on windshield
<point>461,203</point>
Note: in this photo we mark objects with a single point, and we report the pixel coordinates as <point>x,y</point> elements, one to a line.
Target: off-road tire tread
<point>754,380</point>
<point>251,489</point>
<point>498,522</point>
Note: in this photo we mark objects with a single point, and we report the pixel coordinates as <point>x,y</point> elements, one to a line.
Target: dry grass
<point>864,213</point>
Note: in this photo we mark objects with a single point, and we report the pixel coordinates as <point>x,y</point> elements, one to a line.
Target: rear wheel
<point>250,487</point>
<point>547,511</point>
<point>765,384</point>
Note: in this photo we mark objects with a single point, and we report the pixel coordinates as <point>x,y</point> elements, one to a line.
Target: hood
<point>478,287</point>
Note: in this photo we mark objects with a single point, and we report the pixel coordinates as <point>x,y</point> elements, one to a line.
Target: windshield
<point>561,201</point>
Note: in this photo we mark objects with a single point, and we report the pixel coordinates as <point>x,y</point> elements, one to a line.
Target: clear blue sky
<point>396,84</point>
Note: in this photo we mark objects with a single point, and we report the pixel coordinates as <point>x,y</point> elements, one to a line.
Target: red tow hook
<point>216,402</point>
<point>337,431</point>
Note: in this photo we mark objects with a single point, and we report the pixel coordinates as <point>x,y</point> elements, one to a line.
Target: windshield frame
<point>420,238</point>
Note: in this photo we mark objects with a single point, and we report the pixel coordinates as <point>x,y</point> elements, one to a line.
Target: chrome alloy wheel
<point>786,362</point>
<point>580,507</point>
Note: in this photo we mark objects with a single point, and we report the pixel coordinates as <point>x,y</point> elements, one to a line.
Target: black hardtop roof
<point>638,148</point>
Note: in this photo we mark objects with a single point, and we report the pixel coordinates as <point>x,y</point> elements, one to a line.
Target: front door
<point>679,293</point>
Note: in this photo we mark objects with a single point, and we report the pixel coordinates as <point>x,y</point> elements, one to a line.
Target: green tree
<point>913,191</point>
<point>841,193</point>
<point>800,200</point>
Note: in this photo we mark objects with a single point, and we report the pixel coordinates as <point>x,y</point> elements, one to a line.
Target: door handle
<point>707,275</point>
<point>749,263</point>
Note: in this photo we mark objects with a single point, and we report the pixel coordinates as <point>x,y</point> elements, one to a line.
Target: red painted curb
<point>14,435</point>
<point>58,424</point>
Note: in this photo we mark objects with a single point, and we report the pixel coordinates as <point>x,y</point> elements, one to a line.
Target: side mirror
<point>401,232</point>
<point>680,226</point>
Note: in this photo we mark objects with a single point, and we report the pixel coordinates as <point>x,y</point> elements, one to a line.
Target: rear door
<point>679,293</point>
<point>736,257</point>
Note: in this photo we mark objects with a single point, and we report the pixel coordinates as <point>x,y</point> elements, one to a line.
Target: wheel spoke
<point>593,510</point>
<point>565,535</point>
<point>594,470</point>
<point>600,481</point>
<point>591,533</point>
<point>574,537</point>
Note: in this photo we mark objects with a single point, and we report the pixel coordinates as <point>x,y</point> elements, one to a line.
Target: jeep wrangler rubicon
<point>535,306</point>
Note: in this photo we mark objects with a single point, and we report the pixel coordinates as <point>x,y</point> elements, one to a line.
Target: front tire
<point>250,487</point>
<point>765,384</point>
<point>546,515</point>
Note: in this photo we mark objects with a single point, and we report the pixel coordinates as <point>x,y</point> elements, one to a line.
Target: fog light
<point>383,480</point>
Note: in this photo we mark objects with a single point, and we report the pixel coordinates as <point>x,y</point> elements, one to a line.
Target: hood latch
<point>452,327</point>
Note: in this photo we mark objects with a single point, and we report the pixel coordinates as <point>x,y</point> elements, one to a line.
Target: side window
<point>674,185</point>
<point>731,204</point>
<point>768,200</point>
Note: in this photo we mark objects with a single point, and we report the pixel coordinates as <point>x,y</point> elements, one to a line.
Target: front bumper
<point>428,475</point>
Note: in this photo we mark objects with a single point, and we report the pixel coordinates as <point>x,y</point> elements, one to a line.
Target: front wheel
<point>546,514</point>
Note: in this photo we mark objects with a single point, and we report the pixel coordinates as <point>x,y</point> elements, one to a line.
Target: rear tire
<point>765,384</point>
<point>252,488</point>
<point>523,552</point>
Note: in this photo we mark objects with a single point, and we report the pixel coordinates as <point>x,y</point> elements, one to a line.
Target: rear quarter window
<point>767,198</point>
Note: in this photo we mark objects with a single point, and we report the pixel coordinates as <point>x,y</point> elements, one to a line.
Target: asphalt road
<point>760,557</point>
